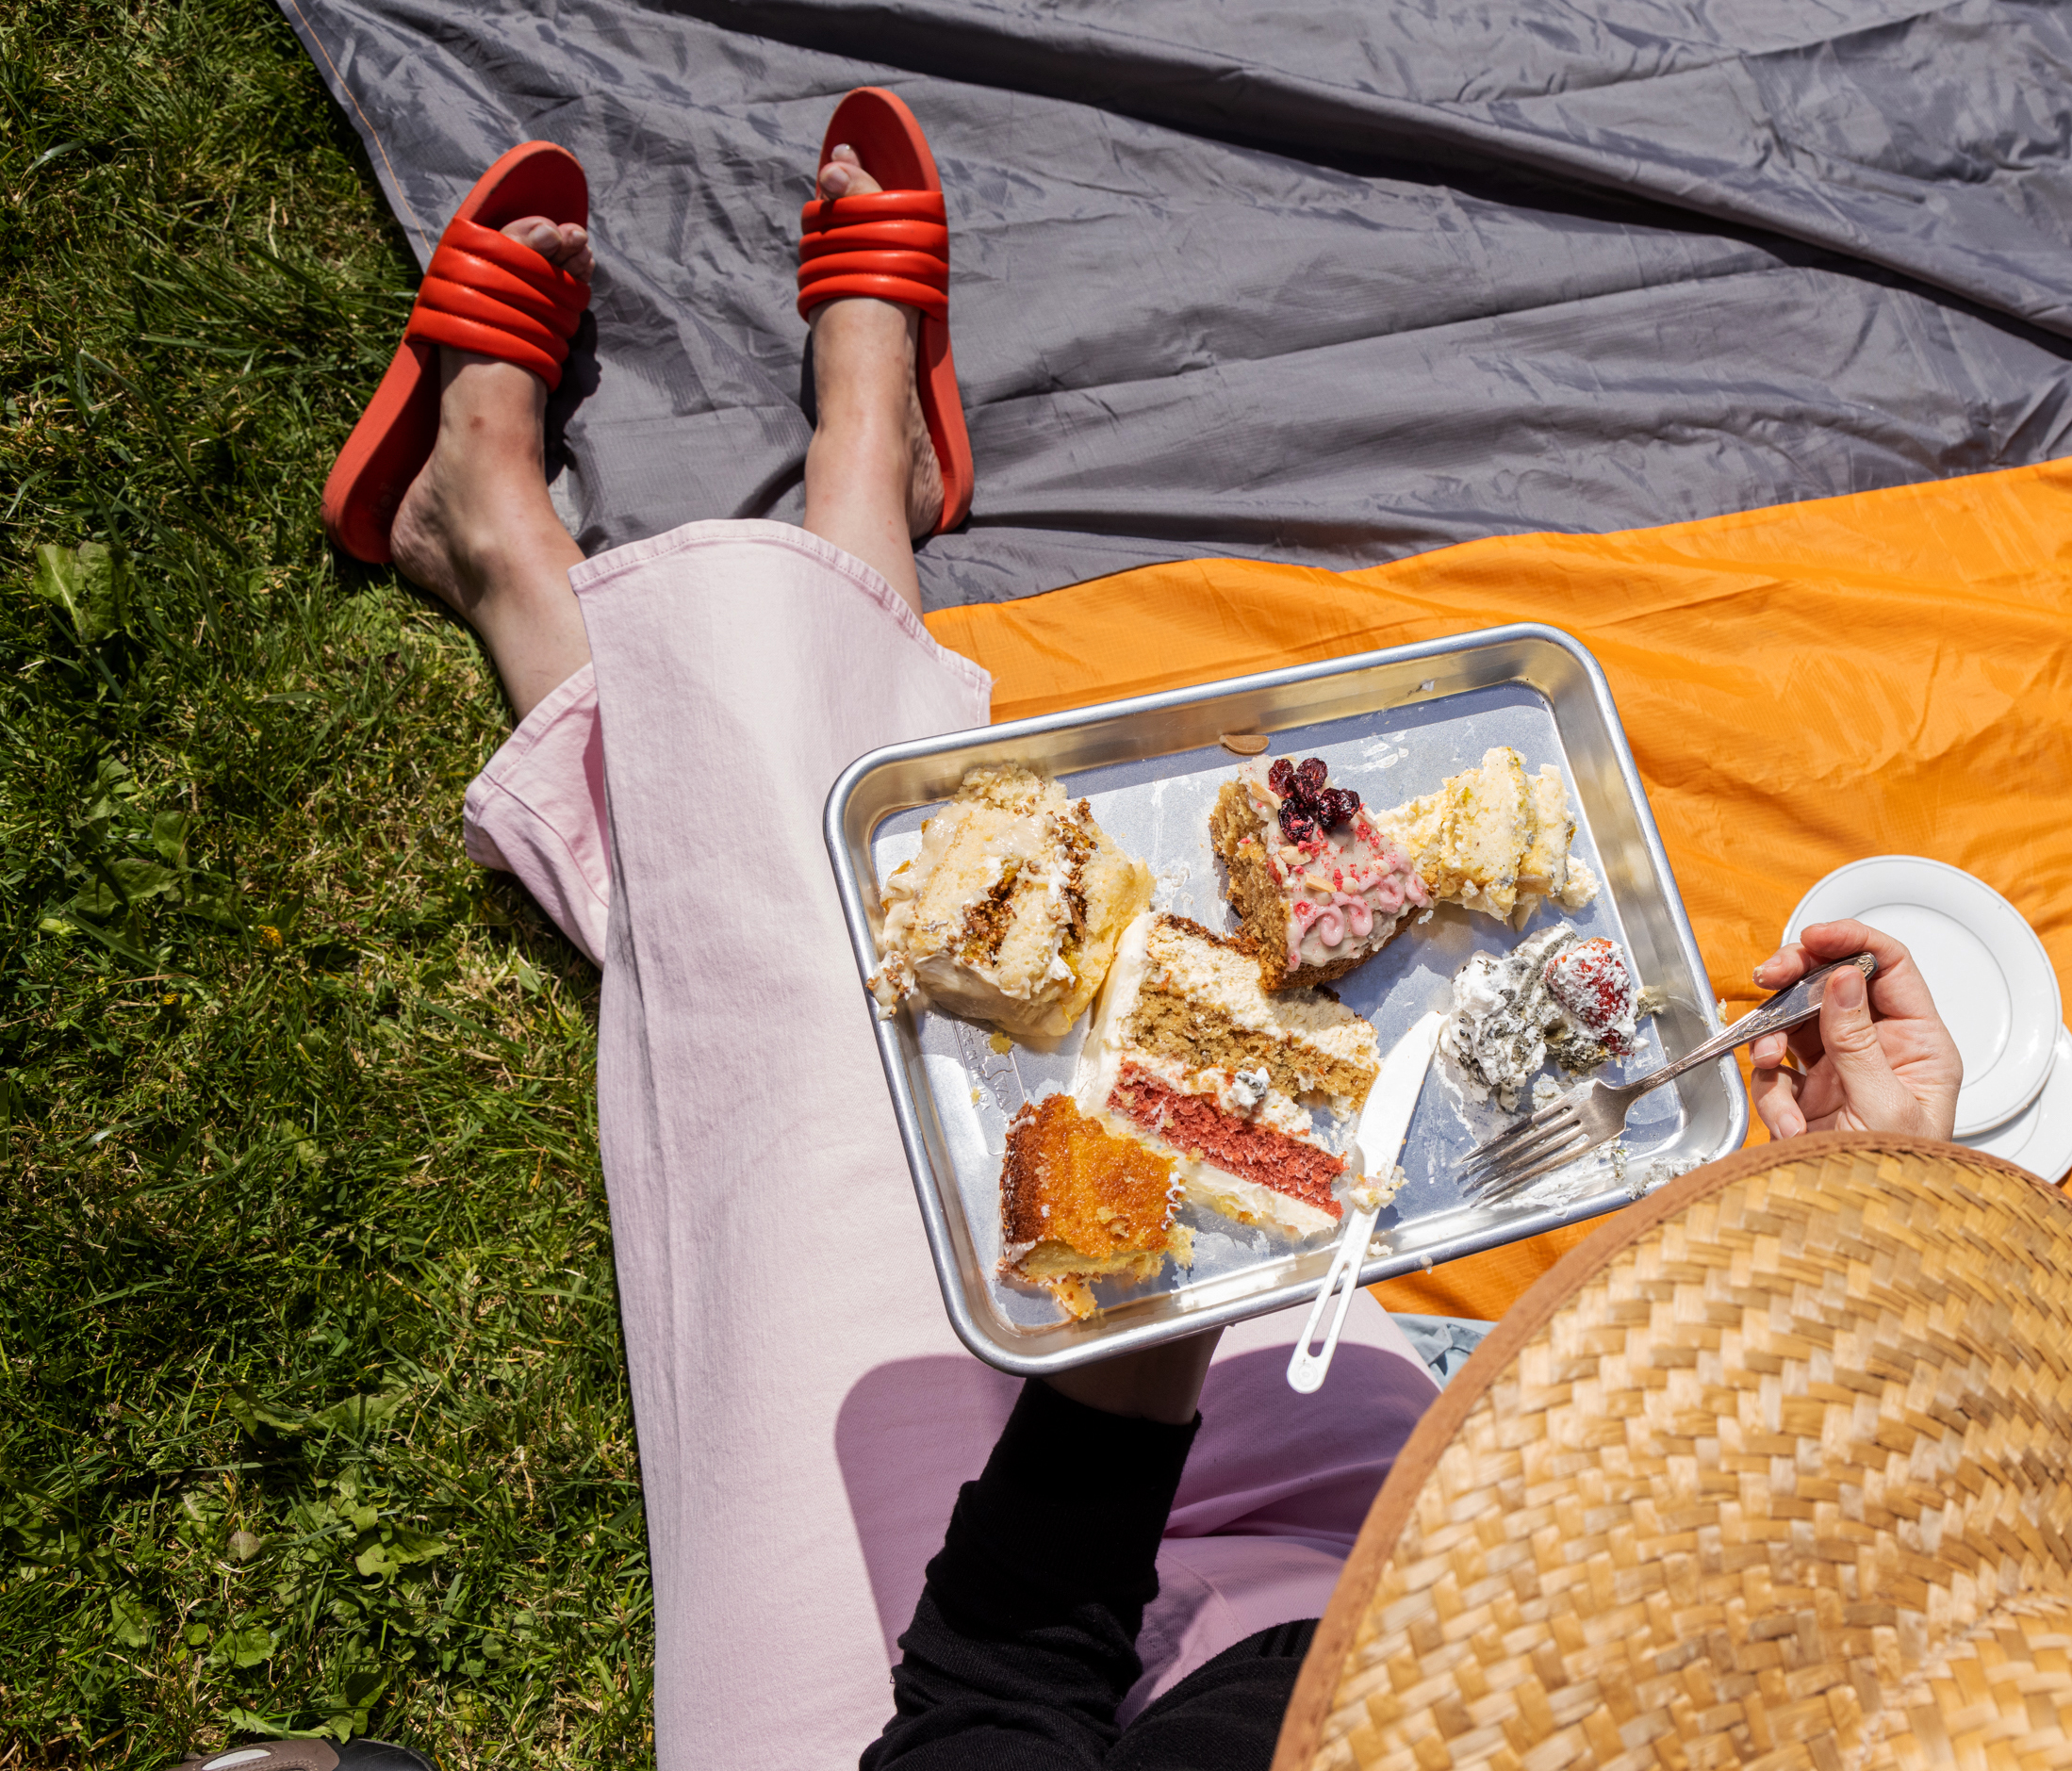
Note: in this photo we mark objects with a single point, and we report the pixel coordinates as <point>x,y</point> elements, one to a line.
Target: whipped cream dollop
<point>1554,995</point>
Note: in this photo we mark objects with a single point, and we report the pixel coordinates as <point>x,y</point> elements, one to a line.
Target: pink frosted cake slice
<point>1317,882</point>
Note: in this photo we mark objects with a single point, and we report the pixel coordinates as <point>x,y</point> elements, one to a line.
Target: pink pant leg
<point>805,1415</point>
<point>783,1327</point>
<point>537,810</point>
<point>1276,1488</point>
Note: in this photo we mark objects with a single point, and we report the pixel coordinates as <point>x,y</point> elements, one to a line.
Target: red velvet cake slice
<point>1189,1052</point>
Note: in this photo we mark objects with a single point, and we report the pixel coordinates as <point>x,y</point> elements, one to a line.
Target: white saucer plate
<point>2039,1138</point>
<point>1989,974</point>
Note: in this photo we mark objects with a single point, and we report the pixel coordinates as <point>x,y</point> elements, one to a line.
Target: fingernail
<point>1847,987</point>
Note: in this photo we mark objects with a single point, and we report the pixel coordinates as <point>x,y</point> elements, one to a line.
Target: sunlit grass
<point>312,1405</point>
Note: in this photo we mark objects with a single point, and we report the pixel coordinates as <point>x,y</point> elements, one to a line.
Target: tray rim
<point>1002,1354</point>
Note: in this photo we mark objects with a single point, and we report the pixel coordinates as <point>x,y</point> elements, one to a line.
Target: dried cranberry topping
<point>1295,823</point>
<point>1280,775</point>
<point>1314,772</point>
<point>1336,804</point>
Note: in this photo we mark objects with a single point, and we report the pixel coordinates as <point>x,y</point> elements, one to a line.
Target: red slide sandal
<point>482,292</point>
<point>894,244</point>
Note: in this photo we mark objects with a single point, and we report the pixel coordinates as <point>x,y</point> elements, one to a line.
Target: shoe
<point>894,244</point>
<point>482,292</point>
<point>313,1755</point>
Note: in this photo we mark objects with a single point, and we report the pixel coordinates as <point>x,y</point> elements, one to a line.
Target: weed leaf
<point>130,1624</point>
<point>88,583</point>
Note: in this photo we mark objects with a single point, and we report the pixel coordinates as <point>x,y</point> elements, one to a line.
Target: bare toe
<point>844,175</point>
<point>563,244</point>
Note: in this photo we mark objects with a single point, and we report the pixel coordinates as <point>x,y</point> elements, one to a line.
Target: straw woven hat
<point>1774,1471</point>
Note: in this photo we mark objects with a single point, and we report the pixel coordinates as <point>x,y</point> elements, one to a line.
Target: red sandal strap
<point>877,206</point>
<point>922,268</point>
<point>921,236</point>
<point>890,244</point>
<point>484,291</point>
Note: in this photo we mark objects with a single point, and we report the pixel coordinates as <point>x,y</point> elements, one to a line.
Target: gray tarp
<point>1330,284</point>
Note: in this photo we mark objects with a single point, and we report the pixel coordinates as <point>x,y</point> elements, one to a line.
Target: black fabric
<point>1225,1715</point>
<point>1325,284</point>
<point>1024,1641</point>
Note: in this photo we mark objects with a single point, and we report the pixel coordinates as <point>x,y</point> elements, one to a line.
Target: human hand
<point>1877,1059</point>
<point>1163,1383</point>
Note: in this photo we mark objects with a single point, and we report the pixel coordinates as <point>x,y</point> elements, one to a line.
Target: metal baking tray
<point>1392,724</point>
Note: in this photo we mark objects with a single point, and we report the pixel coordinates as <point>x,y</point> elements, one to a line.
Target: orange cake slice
<point>1078,1203</point>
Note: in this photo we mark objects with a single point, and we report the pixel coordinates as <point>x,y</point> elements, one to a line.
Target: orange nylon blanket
<point>1887,673</point>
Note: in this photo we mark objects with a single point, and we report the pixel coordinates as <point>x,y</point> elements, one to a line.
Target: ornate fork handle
<point>1789,1008</point>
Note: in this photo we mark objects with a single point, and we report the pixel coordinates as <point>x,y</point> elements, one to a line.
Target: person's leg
<point>803,1425</point>
<point>804,1410</point>
<point>804,1420</point>
<point>476,528</point>
<point>872,479</point>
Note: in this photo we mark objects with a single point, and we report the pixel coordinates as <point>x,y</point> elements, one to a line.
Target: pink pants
<point>805,1414</point>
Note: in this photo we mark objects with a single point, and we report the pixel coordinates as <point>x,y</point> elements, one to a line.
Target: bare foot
<point>863,353</point>
<point>476,528</point>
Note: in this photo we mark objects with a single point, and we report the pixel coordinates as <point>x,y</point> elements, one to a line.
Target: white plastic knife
<point>1377,1144</point>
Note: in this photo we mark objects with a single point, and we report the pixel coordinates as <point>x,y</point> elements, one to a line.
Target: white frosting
<point>1218,1191</point>
<point>1101,1057</point>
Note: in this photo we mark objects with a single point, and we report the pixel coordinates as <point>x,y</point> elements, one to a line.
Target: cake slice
<point>1010,912</point>
<point>1078,1203</point>
<point>1494,839</point>
<point>1316,884</point>
<point>1189,1052</point>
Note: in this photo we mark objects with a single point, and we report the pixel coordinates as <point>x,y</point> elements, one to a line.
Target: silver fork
<point>1593,1113</point>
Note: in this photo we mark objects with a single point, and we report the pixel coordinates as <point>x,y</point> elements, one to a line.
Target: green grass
<point>312,1403</point>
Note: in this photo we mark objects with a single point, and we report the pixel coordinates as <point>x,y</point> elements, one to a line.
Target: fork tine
<point>1492,1190</point>
<point>1504,1138</point>
<point>1494,1157</point>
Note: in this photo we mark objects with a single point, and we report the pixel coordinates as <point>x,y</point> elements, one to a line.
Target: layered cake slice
<point>1494,839</point>
<point>1316,884</point>
<point>1010,912</point>
<point>1078,1203</point>
<point>1191,1054</point>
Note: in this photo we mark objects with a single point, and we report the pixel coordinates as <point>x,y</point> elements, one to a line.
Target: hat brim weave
<point>1775,1469</point>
